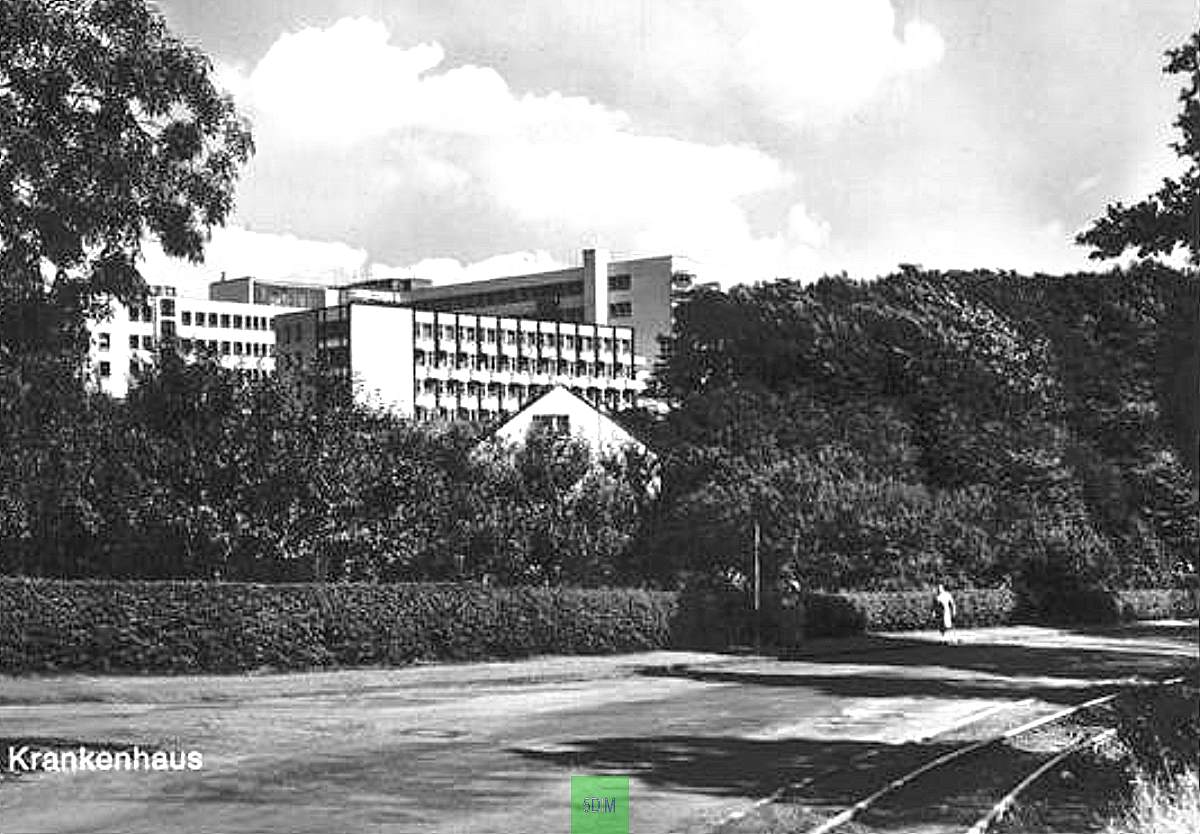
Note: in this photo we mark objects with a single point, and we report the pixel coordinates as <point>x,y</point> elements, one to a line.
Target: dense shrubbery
<point>968,428</point>
<point>976,428</point>
<point>54,625</point>
<point>48,625</point>
<point>1159,604</point>
<point>198,476</point>
<point>853,613</point>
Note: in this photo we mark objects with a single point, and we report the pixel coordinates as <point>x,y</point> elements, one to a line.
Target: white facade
<point>559,411</point>
<point>443,365</point>
<point>241,336</point>
<point>639,293</point>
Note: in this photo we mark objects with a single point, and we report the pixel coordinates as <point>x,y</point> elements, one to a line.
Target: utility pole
<point>757,587</point>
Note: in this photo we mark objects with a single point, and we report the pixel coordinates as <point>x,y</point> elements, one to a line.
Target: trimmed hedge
<point>1159,604</point>
<point>829,615</point>
<point>54,625</point>
<point>832,615</point>
<point>51,625</point>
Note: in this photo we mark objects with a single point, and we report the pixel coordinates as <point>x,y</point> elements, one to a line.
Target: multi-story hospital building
<point>466,350</point>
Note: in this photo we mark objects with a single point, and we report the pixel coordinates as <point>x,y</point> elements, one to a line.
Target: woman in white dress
<point>946,601</point>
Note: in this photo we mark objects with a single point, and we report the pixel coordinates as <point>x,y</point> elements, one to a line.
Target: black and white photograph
<point>580,417</point>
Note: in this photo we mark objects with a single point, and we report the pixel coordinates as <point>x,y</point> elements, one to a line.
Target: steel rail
<point>998,810</point>
<point>846,815</point>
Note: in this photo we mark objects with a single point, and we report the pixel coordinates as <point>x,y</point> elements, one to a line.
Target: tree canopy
<point>111,130</point>
<point>1170,217</point>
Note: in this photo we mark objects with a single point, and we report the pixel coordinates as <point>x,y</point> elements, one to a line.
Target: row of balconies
<point>451,348</point>
<point>466,375</point>
<point>496,403</point>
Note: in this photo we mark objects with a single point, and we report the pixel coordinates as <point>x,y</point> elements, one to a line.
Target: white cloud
<point>809,62</point>
<point>357,121</point>
<point>235,251</point>
<point>454,271</point>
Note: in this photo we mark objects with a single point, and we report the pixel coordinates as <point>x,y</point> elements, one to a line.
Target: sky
<point>764,139</point>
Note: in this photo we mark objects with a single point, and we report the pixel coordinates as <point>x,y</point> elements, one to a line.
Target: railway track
<point>973,775</point>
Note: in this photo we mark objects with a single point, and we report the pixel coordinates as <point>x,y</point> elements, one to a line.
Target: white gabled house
<point>562,412</point>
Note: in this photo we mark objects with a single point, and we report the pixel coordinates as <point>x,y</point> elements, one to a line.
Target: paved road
<point>491,747</point>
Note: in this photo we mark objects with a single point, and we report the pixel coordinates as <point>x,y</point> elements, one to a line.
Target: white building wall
<point>381,356</point>
<point>598,430</point>
<point>240,336</point>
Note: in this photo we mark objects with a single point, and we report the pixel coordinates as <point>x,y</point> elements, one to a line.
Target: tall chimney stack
<point>595,286</point>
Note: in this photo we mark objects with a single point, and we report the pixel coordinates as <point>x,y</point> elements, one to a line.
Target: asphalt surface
<point>492,747</point>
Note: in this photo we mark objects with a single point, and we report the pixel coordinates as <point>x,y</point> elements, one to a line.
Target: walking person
<point>945,601</point>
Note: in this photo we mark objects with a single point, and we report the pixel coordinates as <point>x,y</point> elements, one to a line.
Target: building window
<point>212,320</point>
<point>552,423</point>
<point>237,348</point>
<point>620,282</point>
<point>224,319</point>
<point>105,369</point>
<point>104,340</point>
<point>237,322</point>
<point>585,343</point>
<point>510,337</point>
<point>147,343</point>
<point>621,309</point>
<point>166,306</point>
<point>185,318</point>
<point>225,348</point>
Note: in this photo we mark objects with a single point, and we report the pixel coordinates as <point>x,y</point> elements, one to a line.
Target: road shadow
<point>911,667</point>
<point>717,765</point>
<point>815,775</point>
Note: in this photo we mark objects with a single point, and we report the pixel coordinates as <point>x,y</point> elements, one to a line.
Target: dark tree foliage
<point>977,427</point>
<point>111,130</point>
<point>1158,225</point>
<point>1170,217</point>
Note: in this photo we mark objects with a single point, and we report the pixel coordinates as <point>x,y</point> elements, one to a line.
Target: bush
<point>828,615</point>
<point>1078,606</point>
<point>1158,604</point>
<point>832,615</point>
<point>51,625</point>
<point>712,614</point>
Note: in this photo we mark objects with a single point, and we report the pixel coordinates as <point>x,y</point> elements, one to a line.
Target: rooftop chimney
<point>595,286</point>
